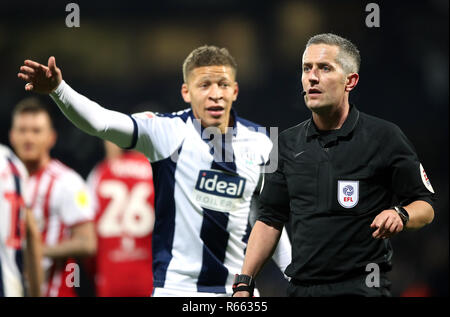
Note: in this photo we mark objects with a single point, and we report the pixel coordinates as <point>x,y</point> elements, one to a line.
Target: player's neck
<point>225,128</point>
<point>333,119</point>
<point>114,154</point>
<point>35,166</point>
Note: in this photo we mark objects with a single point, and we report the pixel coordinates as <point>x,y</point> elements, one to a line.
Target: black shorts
<point>352,287</point>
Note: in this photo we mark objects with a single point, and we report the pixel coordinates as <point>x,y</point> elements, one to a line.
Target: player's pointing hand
<point>40,78</point>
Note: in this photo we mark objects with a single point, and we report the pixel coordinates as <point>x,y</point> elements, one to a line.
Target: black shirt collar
<point>347,127</point>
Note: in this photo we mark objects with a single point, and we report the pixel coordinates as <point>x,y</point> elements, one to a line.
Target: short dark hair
<point>348,57</point>
<point>208,55</point>
<point>32,105</point>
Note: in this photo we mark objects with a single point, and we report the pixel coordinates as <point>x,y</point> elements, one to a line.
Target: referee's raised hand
<point>40,78</point>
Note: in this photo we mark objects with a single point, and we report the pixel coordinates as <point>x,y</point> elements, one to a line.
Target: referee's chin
<point>318,108</point>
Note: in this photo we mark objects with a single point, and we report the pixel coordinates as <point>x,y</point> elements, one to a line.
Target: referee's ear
<point>351,81</point>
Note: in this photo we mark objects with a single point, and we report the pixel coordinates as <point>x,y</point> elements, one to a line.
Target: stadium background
<point>127,56</point>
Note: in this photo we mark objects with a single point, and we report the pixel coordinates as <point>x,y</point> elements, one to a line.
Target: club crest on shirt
<point>348,193</point>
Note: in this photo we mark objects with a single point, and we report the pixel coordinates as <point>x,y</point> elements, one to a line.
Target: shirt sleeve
<point>274,197</point>
<point>409,180</point>
<point>92,118</point>
<point>158,137</point>
<point>74,201</point>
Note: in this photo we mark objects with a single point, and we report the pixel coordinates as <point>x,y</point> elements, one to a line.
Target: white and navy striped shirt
<point>203,186</point>
<point>12,177</point>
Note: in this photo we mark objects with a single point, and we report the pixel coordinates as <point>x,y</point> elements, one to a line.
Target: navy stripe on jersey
<point>135,135</point>
<point>224,158</point>
<point>246,236</point>
<point>164,229</point>
<point>214,233</point>
<point>19,263</point>
<point>213,275</point>
<point>18,257</point>
<point>247,233</point>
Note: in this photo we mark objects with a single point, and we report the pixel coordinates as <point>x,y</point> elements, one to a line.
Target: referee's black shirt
<point>331,185</point>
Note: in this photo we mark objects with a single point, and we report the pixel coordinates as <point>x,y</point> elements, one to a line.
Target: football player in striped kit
<point>57,196</point>
<point>207,165</point>
<point>20,248</point>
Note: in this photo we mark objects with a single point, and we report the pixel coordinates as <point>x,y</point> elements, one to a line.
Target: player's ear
<point>11,137</point>
<point>53,138</point>
<point>185,93</point>
<point>236,91</point>
<point>351,81</point>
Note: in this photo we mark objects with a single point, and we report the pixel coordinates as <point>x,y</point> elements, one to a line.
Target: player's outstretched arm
<point>84,113</point>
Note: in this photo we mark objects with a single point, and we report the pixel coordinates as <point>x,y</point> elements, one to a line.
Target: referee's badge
<point>348,193</point>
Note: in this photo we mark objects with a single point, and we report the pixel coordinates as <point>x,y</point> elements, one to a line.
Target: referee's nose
<point>313,76</point>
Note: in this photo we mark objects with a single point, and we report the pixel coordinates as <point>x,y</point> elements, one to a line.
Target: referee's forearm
<point>261,245</point>
<point>420,213</point>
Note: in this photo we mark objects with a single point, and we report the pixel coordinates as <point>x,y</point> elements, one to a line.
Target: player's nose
<point>215,92</point>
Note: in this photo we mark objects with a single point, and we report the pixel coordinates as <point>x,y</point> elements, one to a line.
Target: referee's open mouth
<point>314,92</point>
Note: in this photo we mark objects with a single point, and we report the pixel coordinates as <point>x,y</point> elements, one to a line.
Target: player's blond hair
<point>208,55</point>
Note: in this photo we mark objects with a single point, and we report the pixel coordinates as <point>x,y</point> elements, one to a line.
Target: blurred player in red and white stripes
<point>56,194</point>
<point>20,248</point>
<point>122,190</point>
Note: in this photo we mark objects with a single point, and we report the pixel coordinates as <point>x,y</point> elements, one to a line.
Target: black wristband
<point>243,279</point>
<point>404,216</point>
<point>243,288</point>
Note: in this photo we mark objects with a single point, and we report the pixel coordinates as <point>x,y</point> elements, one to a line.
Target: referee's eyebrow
<point>319,64</point>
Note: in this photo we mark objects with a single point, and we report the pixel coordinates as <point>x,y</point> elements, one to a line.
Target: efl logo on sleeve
<point>425,179</point>
<point>348,193</point>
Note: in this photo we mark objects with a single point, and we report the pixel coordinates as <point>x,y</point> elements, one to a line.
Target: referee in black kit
<point>347,182</point>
